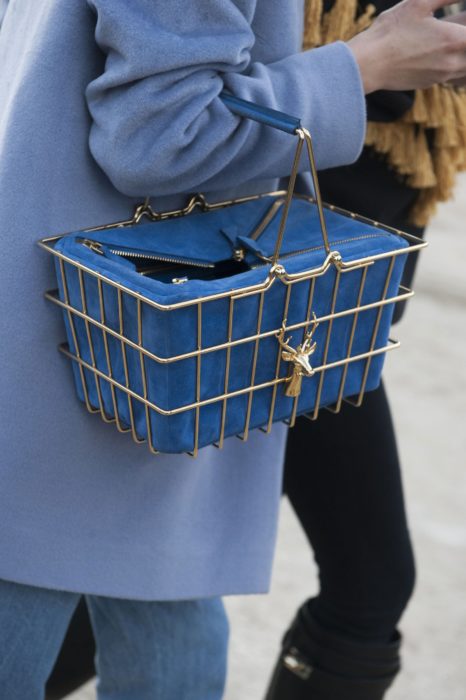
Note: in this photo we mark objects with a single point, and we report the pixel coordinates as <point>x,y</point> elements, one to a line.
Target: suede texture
<point>170,333</point>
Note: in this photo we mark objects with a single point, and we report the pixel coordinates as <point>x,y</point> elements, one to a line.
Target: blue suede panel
<point>171,333</point>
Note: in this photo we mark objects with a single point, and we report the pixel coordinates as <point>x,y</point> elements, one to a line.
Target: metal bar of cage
<point>198,380</point>
<point>108,358</point>
<point>228,345</point>
<point>278,363</point>
<point>51,296</point>
<point>125,367</point>
<point>362,285</point>
<point>375,331</point>
<point>415,244</point>
<point>392,345</point>
<point>227,372</point>
<point>254,366</point>
<point>72,326</point>
<point>327,344</point>
<point>98,329</point>
<point>312,285</point>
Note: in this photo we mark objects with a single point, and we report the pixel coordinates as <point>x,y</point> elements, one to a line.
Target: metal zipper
<point>334,243</point>
<point>161,258</point>
<point>92,245</point>
<point>96,247</point>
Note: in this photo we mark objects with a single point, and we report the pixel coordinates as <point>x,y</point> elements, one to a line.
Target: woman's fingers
<point>434,5</point>
<point>406,47</point>
<point>425,8</point>
<point>460,18</point>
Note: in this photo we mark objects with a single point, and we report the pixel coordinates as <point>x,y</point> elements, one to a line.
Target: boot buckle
<point>297,664</point>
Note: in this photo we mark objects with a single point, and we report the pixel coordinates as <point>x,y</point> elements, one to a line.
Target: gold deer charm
<point>298,357</point>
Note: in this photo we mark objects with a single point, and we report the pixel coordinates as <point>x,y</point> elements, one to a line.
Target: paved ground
<point>427,383</point>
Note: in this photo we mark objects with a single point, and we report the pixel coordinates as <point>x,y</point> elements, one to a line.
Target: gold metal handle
<point>198,201</point>
<point>303,137</point>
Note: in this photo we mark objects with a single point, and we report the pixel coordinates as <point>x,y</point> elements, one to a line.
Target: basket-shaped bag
<point>188,327</point>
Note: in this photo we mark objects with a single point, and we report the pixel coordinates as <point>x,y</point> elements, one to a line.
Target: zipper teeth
<point>334,243</point>
<point>184,261</point>
<point>160,258</point>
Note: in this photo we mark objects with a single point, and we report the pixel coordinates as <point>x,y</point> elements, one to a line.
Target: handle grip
<point>264,115</point>
<point>290,125</point>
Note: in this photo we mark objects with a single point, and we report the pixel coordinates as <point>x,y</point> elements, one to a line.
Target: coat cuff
<point>343,104</point>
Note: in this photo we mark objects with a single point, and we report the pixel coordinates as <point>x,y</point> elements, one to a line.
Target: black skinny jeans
<point>343,479</point>
<point>342,473</point>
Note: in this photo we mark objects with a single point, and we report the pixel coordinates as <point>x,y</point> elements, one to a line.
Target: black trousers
<point>342,477</point>
<point>342,473</point>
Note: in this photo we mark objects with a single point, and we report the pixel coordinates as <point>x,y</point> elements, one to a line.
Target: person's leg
<point>343,479</point>
<point>75,663</point>
<point>159,650</point>
<point>33,622</point>
<point>349,499</point>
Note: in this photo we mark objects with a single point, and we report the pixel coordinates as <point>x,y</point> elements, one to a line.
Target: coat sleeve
<point>3,6</point>
<point>159,126</point>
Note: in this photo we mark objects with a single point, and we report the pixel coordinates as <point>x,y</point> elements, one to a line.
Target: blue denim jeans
<point>145,650</point>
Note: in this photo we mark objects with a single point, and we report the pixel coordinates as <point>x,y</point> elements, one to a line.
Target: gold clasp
<point>145,209</point>
<point>298,358</point>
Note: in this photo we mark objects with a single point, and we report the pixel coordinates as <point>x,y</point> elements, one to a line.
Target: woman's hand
<point>407,48</point>
<point>459,18</point>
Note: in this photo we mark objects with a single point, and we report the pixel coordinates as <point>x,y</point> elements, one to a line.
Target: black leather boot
<point>318,665</point>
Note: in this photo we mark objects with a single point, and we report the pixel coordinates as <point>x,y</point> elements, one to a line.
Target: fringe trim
<point>339,24</point>
<point>427,146</point>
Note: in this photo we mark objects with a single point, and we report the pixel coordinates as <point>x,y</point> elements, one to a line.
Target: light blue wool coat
<point>102,103</point>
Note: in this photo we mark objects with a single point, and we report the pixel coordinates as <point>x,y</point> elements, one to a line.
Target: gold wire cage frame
<point>298,358</point>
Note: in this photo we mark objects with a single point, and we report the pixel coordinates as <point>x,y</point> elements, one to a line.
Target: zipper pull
<point>95,246</point>
<point>241,245</point>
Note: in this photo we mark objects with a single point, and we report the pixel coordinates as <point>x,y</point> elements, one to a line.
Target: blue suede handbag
<point>188,327</point>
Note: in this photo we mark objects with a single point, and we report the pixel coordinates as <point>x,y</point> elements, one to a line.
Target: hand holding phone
<point>407,47</point>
